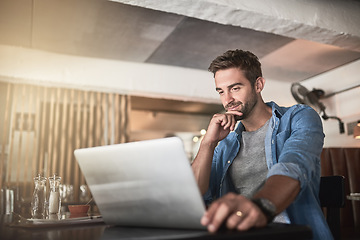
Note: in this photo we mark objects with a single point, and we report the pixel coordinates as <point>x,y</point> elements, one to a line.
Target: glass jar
<point>54,196</point>
<point>39,197</point>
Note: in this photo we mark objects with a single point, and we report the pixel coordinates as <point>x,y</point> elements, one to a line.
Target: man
<point>266,168</point>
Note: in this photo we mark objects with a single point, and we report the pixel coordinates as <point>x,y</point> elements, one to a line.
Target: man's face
<point>236,92</point>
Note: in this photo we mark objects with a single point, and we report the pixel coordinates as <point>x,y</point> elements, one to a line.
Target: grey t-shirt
<point>249,169</point>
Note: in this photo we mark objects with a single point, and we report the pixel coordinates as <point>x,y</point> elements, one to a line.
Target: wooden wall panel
<point>44,125</point>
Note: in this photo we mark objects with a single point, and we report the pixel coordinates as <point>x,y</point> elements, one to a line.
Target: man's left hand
<point>236,211</point>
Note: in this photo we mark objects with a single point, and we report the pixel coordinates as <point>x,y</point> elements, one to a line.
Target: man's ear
<point>259,84</point>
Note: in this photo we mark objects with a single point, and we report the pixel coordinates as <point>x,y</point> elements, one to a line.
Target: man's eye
<point>220,92</point>
<point>234,89</point>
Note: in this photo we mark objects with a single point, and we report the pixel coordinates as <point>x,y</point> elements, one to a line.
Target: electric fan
<point>312,98</point>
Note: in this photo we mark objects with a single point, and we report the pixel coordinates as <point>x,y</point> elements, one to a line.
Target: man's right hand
<point>220,126</point>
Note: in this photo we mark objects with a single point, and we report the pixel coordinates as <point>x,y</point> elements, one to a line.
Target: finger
<point>233,118</point>
<point>218,118</point>
<point>206,219</point>
<point>233,123</point>
<point>253,219</point>
<point>235,113</point>
<point>224,120</point>
<point>235,219</point>
<point>247,223</point>
<point>230,121</point>
<point>219,216</point>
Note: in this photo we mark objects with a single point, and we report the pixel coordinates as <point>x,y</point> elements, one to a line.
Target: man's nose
<point>228,98</point>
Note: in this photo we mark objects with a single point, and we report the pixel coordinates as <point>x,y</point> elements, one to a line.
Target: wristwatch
<point>267,207</point>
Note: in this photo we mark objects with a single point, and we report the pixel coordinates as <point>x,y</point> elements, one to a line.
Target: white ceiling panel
<point>183,37</point>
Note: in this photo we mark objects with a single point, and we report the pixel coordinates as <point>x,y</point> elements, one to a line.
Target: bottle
<point>39,197</point>
<point>54,197</point>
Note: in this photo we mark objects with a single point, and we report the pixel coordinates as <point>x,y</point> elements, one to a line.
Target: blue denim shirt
<point>293,145</point>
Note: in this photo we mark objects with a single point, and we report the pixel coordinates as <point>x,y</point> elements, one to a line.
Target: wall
<point>150,125</point>
<point>35,66</point>
<point>40,67</point>
<point>345,105</point>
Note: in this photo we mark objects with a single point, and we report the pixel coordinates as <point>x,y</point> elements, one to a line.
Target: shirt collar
<point>277,111</point>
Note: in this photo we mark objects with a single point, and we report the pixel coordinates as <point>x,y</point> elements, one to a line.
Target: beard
<point>246,108</point>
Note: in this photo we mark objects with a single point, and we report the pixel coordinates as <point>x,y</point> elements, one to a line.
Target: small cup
<point>78,209</point>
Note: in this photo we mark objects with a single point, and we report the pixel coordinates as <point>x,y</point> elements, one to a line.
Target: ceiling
<point>113,30</point>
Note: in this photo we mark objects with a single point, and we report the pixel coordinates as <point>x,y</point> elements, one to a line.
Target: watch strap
<point>267,207</point>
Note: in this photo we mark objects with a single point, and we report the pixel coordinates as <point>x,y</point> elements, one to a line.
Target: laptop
<point>143,184</point>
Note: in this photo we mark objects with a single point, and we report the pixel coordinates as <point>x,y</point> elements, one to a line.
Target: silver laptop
<point>143,184</point>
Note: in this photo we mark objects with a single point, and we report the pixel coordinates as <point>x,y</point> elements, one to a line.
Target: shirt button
<point>272,141</point>
<point>228,162</point>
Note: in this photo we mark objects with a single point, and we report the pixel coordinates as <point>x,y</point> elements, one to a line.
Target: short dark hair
<point>243,60</point>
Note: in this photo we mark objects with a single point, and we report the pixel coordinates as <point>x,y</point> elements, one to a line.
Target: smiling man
<point>268,168</point>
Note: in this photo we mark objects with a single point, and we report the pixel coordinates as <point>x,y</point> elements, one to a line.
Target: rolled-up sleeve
<point>299,143</point>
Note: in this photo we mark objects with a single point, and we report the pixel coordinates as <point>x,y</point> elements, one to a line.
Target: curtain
<point>42,126</point>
